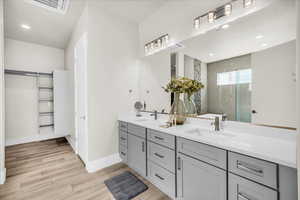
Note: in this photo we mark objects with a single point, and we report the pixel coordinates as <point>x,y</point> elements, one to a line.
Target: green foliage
<point>183,85</point>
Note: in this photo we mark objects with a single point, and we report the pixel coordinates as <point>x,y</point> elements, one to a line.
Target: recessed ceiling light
<point>225,26</point>
<point>25,26</point>
<point>211,54</point>
<point>264,45</point>
<point>259,37</point>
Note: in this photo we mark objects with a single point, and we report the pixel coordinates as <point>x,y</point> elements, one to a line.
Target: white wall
<point>112,72</point>
<point>2,128</point>
<point>298,93</point>
<point>78,31</point>
<point>32,57</point>
<point>273,87</point>
<point>21,92</point>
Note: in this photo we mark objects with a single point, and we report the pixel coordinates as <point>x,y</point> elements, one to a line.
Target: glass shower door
<point>243,95</point>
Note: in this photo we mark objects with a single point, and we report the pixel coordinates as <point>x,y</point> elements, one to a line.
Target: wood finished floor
<point>50,170</point>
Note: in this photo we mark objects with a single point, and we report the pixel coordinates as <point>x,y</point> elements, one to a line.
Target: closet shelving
<point>45,96</point>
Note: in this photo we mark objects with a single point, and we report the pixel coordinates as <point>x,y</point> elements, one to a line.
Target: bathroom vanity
<point>193,162</point>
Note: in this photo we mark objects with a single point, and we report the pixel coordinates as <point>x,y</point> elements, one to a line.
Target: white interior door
<point>80,96</point>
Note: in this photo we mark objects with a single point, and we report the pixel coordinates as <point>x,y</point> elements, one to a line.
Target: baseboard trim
<point>32,139</point>
<point>2,176</point>
<point>93,166</point>
<point>72,143</point>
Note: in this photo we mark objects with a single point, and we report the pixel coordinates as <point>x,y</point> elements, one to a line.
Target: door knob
<point>254,112</point>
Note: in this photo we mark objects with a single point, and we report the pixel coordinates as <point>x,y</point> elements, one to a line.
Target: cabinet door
<point>242,189</point>
<point>136,155</point>
<point>198,180</point>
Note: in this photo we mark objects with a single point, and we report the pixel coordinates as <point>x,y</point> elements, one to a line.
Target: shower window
<point>234,77</point>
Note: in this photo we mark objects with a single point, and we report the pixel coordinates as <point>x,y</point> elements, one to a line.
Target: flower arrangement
<point>183,85</point>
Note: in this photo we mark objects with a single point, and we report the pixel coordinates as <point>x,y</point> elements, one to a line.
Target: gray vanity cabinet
<point>198,180</point>
<point>136,155</point>
<point>242,189</point>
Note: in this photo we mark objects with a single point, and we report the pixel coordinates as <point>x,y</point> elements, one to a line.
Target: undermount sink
<point>194,131</point>
<point>203,132</point>
<point>141,119</point>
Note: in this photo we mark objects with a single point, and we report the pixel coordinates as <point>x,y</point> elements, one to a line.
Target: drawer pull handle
<point>158,176</point>
<point>249,169</point>
<point>124,154</point>
<point>122,138</point>
<point>158,155</point>
<point>178,163</point>
<point>242,197</point>
<point>143,146</point>
<point>159,138</point>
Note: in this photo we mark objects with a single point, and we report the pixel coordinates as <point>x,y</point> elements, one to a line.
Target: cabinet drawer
<point>255,169</point>
<point>136,130</point>
<point>162,178</point>
<point>162,156</point>
<point>162,138</point>
<point>242,189</point>
<point>123,153</point>
<point>123,138</point>
<point>203,152</point>
<point>123,126</point>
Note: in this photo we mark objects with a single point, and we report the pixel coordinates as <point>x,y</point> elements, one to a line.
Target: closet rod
<point>26,73</point>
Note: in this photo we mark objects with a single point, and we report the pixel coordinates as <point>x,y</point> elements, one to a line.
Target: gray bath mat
<point>125,186</point>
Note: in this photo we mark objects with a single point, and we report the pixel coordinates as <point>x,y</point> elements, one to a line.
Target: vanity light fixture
<point>157,44</point>
<point>222,11</point>
<point>25,26</point>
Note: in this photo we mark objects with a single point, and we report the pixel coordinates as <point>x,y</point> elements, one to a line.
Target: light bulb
<point>228,9</point>
<point>211,17</point>
<point>196,23</point>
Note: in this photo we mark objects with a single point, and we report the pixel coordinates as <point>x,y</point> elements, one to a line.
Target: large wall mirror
<point>247,67</point>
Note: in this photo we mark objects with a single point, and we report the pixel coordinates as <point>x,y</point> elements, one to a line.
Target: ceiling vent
<point>60,6</point>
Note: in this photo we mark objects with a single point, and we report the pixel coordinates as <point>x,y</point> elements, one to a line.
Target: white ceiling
<point>277,23</point>
<point>53,29</point>
<point>132,10</point>
<point>47,27</point>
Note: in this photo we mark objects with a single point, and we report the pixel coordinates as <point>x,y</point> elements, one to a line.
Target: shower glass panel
<point>243,95</point>
<point>234,89</point>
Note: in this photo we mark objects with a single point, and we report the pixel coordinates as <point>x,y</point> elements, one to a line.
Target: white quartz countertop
<point>271,144</point>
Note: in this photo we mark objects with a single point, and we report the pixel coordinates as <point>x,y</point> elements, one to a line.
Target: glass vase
<point>191,110</point>
<point>178,109</point>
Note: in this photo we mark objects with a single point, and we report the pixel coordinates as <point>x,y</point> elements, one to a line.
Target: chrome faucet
<point>154,114</point>
<point>216,123</point>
